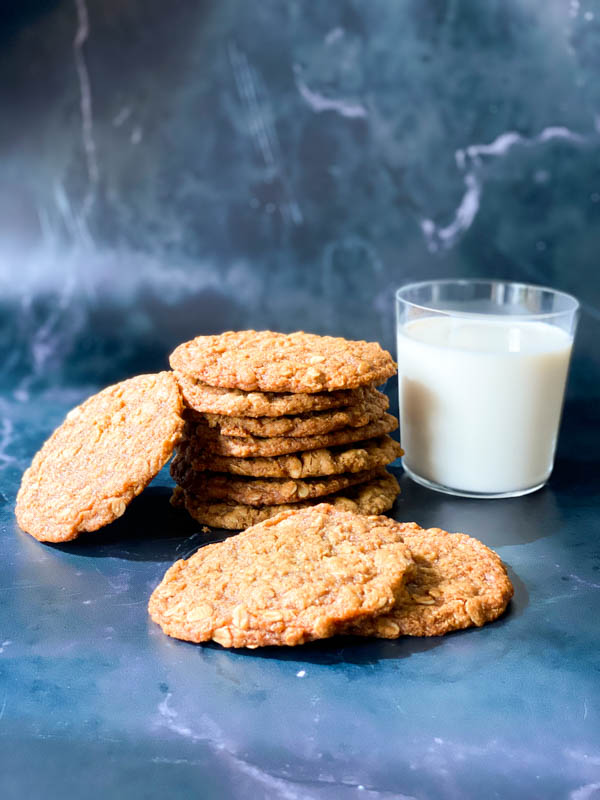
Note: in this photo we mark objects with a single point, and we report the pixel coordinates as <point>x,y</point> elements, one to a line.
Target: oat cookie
<point>311,424</point>
<point>105,452</point>
<point>234,402</point>
<point>457,582</point>
<point>279,362</point>
<point>357,457</point>
<point>292,579</point>
<point>373,497</point>
<point>261,491</point>
<point>205,438</point>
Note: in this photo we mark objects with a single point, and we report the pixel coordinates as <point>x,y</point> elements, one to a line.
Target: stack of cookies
<point>280,421</point>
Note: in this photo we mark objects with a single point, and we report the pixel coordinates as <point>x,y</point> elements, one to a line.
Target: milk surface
<point>480,400</point>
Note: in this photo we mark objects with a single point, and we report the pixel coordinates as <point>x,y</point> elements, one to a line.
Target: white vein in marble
<point>253,95</point>
<point>319,103</point>
<point>471,161</point>
<point>87,120</point>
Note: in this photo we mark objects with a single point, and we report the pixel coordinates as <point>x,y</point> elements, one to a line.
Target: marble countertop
<point>95,701</point>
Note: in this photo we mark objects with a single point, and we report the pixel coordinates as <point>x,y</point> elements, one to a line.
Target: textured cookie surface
<point>261,491</point>
<point>311,424</point>
<point>279,362</point>
<point>234,402</point>
<point>202,437</point>
<point>324,461</point>
<point>106,451</point>
<point>373,497</point>
<point>292,579</point>
<point>457,582</point>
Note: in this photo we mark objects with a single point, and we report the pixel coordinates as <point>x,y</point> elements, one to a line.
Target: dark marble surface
<point>95,701</point>
<point>169,171</point>
<point>284,163</point>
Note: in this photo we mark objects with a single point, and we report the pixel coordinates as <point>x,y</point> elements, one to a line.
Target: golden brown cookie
<point>234,402</point>
<point>279,362</point>
<point>311,424</point>
<point>292,579</point>
<point>201,437</point>
<point>261,491</point>
<point>356,457</point>
<point>457,582</point>
<point>373,497</point>
<point>106,451</point>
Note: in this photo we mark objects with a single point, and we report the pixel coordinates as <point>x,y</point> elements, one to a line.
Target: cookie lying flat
<point>261,491</point>
<point>280,362</point>
<point>373,497</point>
<point>357,457</point>
<point>106,451</point>
<point>292,579</point>
<point>204,438</point>
<point>311,424</point>
<point>458,582</point>
<point>234,402</point>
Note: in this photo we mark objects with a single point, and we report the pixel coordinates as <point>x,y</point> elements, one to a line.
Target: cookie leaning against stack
<point>104,454</point>
<point>282,421</point>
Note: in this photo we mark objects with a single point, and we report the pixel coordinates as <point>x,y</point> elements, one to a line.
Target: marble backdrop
<point>174,169</point>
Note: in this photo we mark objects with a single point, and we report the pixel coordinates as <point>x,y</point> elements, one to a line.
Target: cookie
<point>357,457</point>
<point>373,497</point>
<point>260,491</point>
<point>279,362</point>
<point>234,402</point>
<point>457,582</point>
<point>202,437</point>
<point>311,424</point>
<point>105,452</point>
<point>292,579</point>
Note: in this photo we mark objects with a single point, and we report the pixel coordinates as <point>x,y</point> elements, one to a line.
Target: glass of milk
<point>482,368</point>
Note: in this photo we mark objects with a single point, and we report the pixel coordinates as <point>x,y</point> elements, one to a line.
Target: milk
<point>480,400</point>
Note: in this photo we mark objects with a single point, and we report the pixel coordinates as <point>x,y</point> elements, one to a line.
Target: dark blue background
<point>172,169</point>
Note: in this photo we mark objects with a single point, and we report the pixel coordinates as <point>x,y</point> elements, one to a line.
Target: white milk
<point>480,400</point>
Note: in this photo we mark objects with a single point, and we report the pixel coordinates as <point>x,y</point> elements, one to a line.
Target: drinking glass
<point>482,369</point>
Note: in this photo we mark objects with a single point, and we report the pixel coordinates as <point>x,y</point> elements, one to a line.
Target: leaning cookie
<point>104,454</point>
<point>373,497</point>
<point>292,579</point>
<point>457,582</point>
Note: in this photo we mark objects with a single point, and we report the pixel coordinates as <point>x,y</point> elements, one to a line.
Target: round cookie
<point>373,497</point>
<point>202,437</point>
<point>105,452</point>
<point>234,402</point>
<point>292,579</point>
<point>304,425</point>
<point>279,362</point>
<point>261,491</point>
<point>457,582</point>
<point>358,457</point>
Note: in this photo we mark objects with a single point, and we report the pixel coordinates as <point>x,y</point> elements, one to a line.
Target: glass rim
<point>571,299</point>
